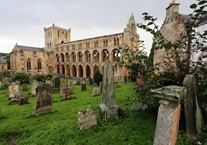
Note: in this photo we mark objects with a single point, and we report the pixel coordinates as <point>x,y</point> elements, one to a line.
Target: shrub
<point>22,77</point>
<point>6,73</point>
<point>97,77</point>
<point>40,78</point>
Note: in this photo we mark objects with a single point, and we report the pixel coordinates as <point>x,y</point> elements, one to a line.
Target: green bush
<point>22,77</point>
<point>145,98</point>
<point>40,78</point>
<point>6,73</point>
<point>97,77</point>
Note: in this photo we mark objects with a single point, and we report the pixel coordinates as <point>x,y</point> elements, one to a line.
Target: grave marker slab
<point>43,99</point>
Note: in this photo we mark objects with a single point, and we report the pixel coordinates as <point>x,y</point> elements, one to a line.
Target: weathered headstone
<point>21,98</point>
<point>43,99</point>
<point>168,114</point>
<point>48,82</point>
<point>0,84</point>
<point>17,82</point>
<point>193,115</point>
<point>66,93</point>
<point>56,83</point>
<point>25,87</point>
<point>89,81</point>
<point>13,89</point>
<point>83,86</point>
<point>35,84</point>
<point>108,108</point>
<point>86,118</point>
<point>96,91</point>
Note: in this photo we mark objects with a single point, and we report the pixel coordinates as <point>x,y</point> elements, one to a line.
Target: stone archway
<point>88,71</point>
<point>68,70</point>
<point>51,69</point>
<point>58,69</point>
<point>63,69</point>
<point>95,68</point>
<point>105,55</point>
<point>95,56</point>
<point>74,71</point>
<point>80,71</point>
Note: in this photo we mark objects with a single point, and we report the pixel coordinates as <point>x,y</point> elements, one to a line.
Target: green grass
<point>61,127</point>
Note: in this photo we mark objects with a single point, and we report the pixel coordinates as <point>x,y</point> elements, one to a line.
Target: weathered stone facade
<point>79,58</point>
<point>173,29</point>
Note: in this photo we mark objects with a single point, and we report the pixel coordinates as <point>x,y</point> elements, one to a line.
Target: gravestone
<point>168,116</point>
<point>89,81</point>
<point>193,115</point>
<point>83,86</point>
<point>56,83</point>
<point>21,98</point>
<point>0,84</point>
<point>25,87</point>
<point>108,109</point>
<point>65,89</point>
<point>96,91</point>
<point>86,118</point>
<point>13,89</point>
<point>48,82</point>
<point>35,84</point>
<point>43,99</point>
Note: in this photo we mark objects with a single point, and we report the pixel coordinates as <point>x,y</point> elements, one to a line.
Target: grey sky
<point>22,21</point>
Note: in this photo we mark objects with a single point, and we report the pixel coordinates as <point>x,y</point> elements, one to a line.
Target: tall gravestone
<point>13,89</point>
<point>108,108</point>
<point>193,115</point>
<point>43,99</point>
<point>65,89</point>
<point>0,84</point>
<point>168,116</point>
<point>56,83</point>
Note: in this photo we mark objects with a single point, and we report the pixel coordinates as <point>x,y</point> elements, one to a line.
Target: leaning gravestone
<point>43,99</point>
<point>108,108</point>
<point>168,116</point>
<point>86,118</point>
<point>13,89</point>
<point>193,115</point>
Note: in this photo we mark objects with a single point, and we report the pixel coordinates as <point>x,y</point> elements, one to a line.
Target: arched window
<point>28,64</point>
<point>39,65</point>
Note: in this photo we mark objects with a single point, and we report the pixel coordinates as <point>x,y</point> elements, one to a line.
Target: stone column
<point>193,115</point>
<point>168,114</point>
<point>108,108</point>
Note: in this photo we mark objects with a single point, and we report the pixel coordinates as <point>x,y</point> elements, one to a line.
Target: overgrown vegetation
<point>97,77</point>
<point>22,77</point>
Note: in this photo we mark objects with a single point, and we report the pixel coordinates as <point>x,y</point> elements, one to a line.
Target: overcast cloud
<point>22,21</point>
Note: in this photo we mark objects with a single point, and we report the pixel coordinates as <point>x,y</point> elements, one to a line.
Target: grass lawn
<point>61,126</point>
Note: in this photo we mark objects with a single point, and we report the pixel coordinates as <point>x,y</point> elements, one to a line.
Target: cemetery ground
<point>60,127</point>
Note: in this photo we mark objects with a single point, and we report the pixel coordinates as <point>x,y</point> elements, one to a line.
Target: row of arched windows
<point>29,64</point>
<point>95,44</point>
<point>88,57</point>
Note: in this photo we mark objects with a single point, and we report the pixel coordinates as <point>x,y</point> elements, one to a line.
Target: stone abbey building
<point>81,58</point>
